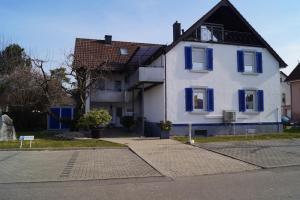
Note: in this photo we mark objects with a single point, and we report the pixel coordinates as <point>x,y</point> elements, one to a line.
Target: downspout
<point>166,115</point>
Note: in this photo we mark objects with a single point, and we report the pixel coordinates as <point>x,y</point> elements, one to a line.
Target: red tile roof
<point>95,53</point>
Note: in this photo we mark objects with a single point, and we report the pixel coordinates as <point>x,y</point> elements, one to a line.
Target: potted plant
<point>165,128</point>
<point>94,121</point>
<point>127,122</point>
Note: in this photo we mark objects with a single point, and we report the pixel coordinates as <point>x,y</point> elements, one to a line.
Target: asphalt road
<point>276,184</point>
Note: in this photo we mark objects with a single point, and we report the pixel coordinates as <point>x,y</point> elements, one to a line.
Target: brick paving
<point>40,166</point>
<point>266,154</point>
<point>175,159</point>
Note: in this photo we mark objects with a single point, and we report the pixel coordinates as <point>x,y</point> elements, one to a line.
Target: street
<point>279,183</point>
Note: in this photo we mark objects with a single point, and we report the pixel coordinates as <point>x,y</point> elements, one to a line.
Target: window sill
<point>251,113</point>
<point>199,71</point>
<point>199,112</point>
<point>250,73</point>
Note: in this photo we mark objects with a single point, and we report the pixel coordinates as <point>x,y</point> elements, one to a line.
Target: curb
<point>249,163</point>
<point>147,162</point>
<point>62,149</point>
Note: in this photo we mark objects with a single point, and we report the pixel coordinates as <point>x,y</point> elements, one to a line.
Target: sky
<point>47,28</point>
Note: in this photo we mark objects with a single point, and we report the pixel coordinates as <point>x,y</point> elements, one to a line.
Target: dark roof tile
<point>295,75</point>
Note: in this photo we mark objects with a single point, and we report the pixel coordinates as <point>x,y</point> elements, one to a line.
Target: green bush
<point>165,125</point>
<point>127,121</point>
<point>94,119</point>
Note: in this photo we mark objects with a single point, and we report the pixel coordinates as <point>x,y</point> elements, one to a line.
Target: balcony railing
<point>107,96</point>
<point>219,35</point>
<point>146,74</point>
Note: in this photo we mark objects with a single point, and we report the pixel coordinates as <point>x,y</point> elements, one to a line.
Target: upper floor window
<point>99,84</point>
<point>198,56</point>
<point>250,62</point>
<point>118,86</point>
<point>123,51</point>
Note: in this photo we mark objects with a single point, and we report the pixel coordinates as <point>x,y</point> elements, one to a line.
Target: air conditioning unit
<point>229,116</point>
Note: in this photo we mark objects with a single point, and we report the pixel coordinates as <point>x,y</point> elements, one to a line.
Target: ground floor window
<point>250,100</point>
<point>199,96</point>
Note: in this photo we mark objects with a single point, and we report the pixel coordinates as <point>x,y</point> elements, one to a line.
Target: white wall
<point>225,80</point>
<point>154,104</point>
<point>286,89</point>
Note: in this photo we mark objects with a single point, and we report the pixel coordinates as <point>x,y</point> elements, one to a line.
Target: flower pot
<point>164,134</point>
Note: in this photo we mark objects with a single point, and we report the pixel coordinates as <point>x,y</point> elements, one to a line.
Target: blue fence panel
<point>54,122</point>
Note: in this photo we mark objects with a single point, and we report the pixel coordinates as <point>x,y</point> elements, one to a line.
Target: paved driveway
<point>266,154</point>
<point>175,159</point>
<point>40,166</point>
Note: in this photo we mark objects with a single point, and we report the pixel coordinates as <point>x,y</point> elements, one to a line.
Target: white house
<point>285,96</point>
<point>220,76</point>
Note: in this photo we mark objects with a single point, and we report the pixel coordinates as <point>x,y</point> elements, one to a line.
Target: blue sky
<point>48,28</point>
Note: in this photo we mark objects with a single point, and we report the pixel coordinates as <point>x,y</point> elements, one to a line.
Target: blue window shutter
<point>259,63</point>
<point>210,100</point>
<point>260,100</point>
<point>189,99</point>
<point>188,57</point>
<point>240,61</point>
<point>242,101</point>
<point>209,59</point>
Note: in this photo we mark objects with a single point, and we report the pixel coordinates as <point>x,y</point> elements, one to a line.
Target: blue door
<point>66,114</point>
<point>54,122</point>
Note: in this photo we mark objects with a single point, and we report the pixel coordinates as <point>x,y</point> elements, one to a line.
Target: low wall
<point>227,129</point>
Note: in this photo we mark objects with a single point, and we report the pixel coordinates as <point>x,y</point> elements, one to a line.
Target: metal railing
<point>217,34</point>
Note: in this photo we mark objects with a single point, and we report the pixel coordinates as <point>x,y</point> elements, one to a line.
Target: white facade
<point>285,96</point>
<point>226,81</point>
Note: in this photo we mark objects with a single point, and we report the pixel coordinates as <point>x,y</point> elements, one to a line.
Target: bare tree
<point>83,77</point>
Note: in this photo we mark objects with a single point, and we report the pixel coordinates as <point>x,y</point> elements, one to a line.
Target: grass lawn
<point>287,134</point>
<point>44,140</point>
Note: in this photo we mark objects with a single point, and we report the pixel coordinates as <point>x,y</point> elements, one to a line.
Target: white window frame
<point>202,69</point>
<point>203,91</point>
<point>254,110</point>
<point>254,67</point>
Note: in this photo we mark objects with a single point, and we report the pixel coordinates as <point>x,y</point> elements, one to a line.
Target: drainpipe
<point>166,115</point>
<point>278,125</point>
<point>143,119</point>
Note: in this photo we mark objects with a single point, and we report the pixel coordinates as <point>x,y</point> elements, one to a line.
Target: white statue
<point>7,131</point>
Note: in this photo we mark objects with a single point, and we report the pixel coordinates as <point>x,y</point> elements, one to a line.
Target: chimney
<point>176,31</point>
<point>108,39</point>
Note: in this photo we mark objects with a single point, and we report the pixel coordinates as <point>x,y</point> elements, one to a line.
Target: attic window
<point>123,51</point>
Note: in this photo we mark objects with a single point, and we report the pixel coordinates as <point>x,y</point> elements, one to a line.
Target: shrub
<point>165,125</point>
<point>127,121</point>
<point>94,119</point>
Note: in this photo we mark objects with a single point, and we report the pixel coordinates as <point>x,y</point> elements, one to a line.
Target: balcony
<point>110,96</point>
<point>218,35</point>
<point>147,75</point>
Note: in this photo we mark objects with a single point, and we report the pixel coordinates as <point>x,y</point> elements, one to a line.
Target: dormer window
<point>124,51</point>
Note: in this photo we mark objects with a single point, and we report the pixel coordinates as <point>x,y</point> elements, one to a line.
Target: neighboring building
<point>220,76</point>
<point>294,81</point>
<point>285,96</point>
